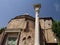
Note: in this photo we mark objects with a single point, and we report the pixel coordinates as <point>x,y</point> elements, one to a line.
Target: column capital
<point>37,7</point>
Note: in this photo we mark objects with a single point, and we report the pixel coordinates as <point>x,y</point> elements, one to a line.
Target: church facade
<point>20,31</point>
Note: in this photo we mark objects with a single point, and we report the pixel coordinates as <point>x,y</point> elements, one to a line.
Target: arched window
<point>24,41</point>
<point>24,38</point>
<point>29,37</point>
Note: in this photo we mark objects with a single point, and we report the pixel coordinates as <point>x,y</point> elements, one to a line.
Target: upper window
<point>24,38</point>
<point>29,37</point>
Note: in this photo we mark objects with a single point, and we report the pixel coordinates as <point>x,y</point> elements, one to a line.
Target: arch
<point>24,38</point>
<point>29,37</point>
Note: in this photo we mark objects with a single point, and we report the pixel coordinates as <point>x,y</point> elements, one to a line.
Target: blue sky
<point>11,8</point>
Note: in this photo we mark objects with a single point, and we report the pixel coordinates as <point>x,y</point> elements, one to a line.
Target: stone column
<point>37,7</point>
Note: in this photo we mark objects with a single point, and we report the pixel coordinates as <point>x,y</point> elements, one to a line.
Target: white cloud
<point>56,6</point>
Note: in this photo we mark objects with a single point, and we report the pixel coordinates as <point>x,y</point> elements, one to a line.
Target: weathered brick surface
<point>27,37</point>
<point>46,26</point>
<point>17,23</point>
